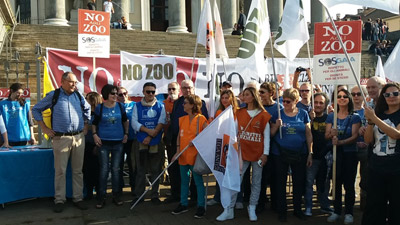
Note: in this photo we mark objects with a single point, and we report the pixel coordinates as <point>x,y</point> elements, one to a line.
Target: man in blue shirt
<point>69,116</point>
<point>148,119</point>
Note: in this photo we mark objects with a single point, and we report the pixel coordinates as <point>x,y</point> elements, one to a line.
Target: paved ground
<point>39,212</point>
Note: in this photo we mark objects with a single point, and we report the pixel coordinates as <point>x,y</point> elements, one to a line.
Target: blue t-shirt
<point>128,110</point>
<point>363,123</point>
<point>273,109</point>
<point>347,124</point>
<point>110,127</point>
<point>15,119</point>
<point>308,108</point>
<point>293,132</point>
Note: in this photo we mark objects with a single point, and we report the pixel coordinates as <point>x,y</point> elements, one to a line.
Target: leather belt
<point>67,134</point>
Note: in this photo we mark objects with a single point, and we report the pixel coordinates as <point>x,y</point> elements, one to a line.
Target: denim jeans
<point>318,172</point>
<point>115,149</point>
<point>198,179</point>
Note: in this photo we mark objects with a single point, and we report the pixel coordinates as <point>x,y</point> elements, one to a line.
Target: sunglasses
<point>354,94</point>
<point>171,89</point>
<point>122,94</point>
<point>113,93</point>
<point>305,91</point>
<point>286,102</point>
<point>388,94</point>
<point>342,96</point>
<point>150,92</point>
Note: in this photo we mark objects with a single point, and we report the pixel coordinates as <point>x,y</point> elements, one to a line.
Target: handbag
<point>200,166</point>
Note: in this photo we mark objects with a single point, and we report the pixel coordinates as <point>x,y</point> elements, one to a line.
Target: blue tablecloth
<point>27,173</point>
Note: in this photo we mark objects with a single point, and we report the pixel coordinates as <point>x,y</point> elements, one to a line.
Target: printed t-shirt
<point>344,127</point>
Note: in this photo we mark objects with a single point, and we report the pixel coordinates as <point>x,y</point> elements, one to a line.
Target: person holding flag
<point>190,126</point>
<point>254,139</point>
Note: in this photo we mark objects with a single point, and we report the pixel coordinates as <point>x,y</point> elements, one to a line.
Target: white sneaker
<point>348,219</point>
<point>212,202</point>
<point>239,205</point>
<point>227,214</point>
<point>251,209</point>
<point>308,212</point>
<point>333,218</point>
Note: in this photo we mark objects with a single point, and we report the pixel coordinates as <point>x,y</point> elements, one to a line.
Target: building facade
<point>180,16</point>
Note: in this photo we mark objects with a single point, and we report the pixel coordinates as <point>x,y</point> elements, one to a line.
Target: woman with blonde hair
<point>254,137</point>
<point>294,149</point>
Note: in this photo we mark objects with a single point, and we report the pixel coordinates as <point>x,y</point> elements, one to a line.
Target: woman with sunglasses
<point>254,137</point>
<point>123,98</point>
<point>17,117</point>
<point>345,138</point>
<point>383,131</point>
<point>189,127</point>
<point>294,149</point>
<point>110,132</point>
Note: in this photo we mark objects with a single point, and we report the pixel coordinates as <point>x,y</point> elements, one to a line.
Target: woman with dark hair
<point>189,127</point>
<point>91,159</point>
<point>110,132</point>
<point>17,117</point>
<point>294,149</point>
<point>345,138</point>
<point>383,131</point>
<point>254,137</point>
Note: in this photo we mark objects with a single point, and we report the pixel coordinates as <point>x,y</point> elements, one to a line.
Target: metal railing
<point>9,34</point>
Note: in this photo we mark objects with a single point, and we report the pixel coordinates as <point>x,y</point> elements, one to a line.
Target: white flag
<point>205,36</point>
<point>217,145</point>
<point>220,48</point>
<point>293,30</point>
<point>250,57</point>
<point>387,5</point>
<point>391,66</point>
<point>379,72</point>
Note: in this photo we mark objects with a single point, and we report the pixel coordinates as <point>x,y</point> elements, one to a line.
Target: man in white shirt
<point>108,7</point>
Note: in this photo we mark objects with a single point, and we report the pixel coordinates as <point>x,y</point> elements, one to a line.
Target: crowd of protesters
<point>296,136</point>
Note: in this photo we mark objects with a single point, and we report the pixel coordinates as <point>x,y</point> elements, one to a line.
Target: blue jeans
<point>318,172</point>
<point>198,179</point>
<point>116,149</point>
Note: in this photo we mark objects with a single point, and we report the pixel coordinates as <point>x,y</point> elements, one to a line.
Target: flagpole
<point>194,57</point>
<point>311,80</point>
<point>276,83</point>
<point>158,177</point>
<point>334,146</point>
<point>346,54</point>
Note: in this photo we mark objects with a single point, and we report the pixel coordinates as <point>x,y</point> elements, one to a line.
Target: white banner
<point>387,5</point>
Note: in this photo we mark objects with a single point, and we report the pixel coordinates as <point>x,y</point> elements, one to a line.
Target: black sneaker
<point>180,209</point>
<point>58,207</point>
<point>155,201</point>
<point>80,205</point>
<point>200,212</point>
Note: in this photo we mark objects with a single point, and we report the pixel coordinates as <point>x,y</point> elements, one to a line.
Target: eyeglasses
<point>342,96</point>
<point>150,92</point>
<point>113,93</point>
<point>261,92</point>
<point>171,89</point>
<point>388,94</point>
<point>71,81</point>
<point>305,91</point>
<point>122,94</point>
<point>354,94</point>
<point>286,102</point>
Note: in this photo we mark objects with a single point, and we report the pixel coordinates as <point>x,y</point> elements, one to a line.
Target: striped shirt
<point>69,112</point>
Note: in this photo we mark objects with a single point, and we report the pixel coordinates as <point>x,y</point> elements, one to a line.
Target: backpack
<point>55,99</point>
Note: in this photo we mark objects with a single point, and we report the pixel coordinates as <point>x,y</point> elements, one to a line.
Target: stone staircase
<point>138,42</point>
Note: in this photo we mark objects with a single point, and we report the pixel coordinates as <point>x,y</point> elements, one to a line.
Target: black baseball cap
<point>225,83</point>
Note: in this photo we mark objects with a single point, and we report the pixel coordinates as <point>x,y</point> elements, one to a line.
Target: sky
<point>343,9</point>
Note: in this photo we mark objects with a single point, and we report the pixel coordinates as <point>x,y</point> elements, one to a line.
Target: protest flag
<point>47,87</point>
<point>391,66</point>
<point>220,48</point>
<point>387,5</point>
<point>293,30</point>
<point>217,145</point>
<point>379,71</point>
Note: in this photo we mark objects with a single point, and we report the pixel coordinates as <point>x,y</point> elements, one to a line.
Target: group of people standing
<point>278,135</point>
<point>375,30</point>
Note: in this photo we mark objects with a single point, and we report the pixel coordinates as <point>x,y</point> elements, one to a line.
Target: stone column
<point>55,13</point>
<point>176,16</point>
<point>275,10</point>
<point>229,13</point>
<point>197,6</point>
<point>121,8</point>
<point>317,13</point>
